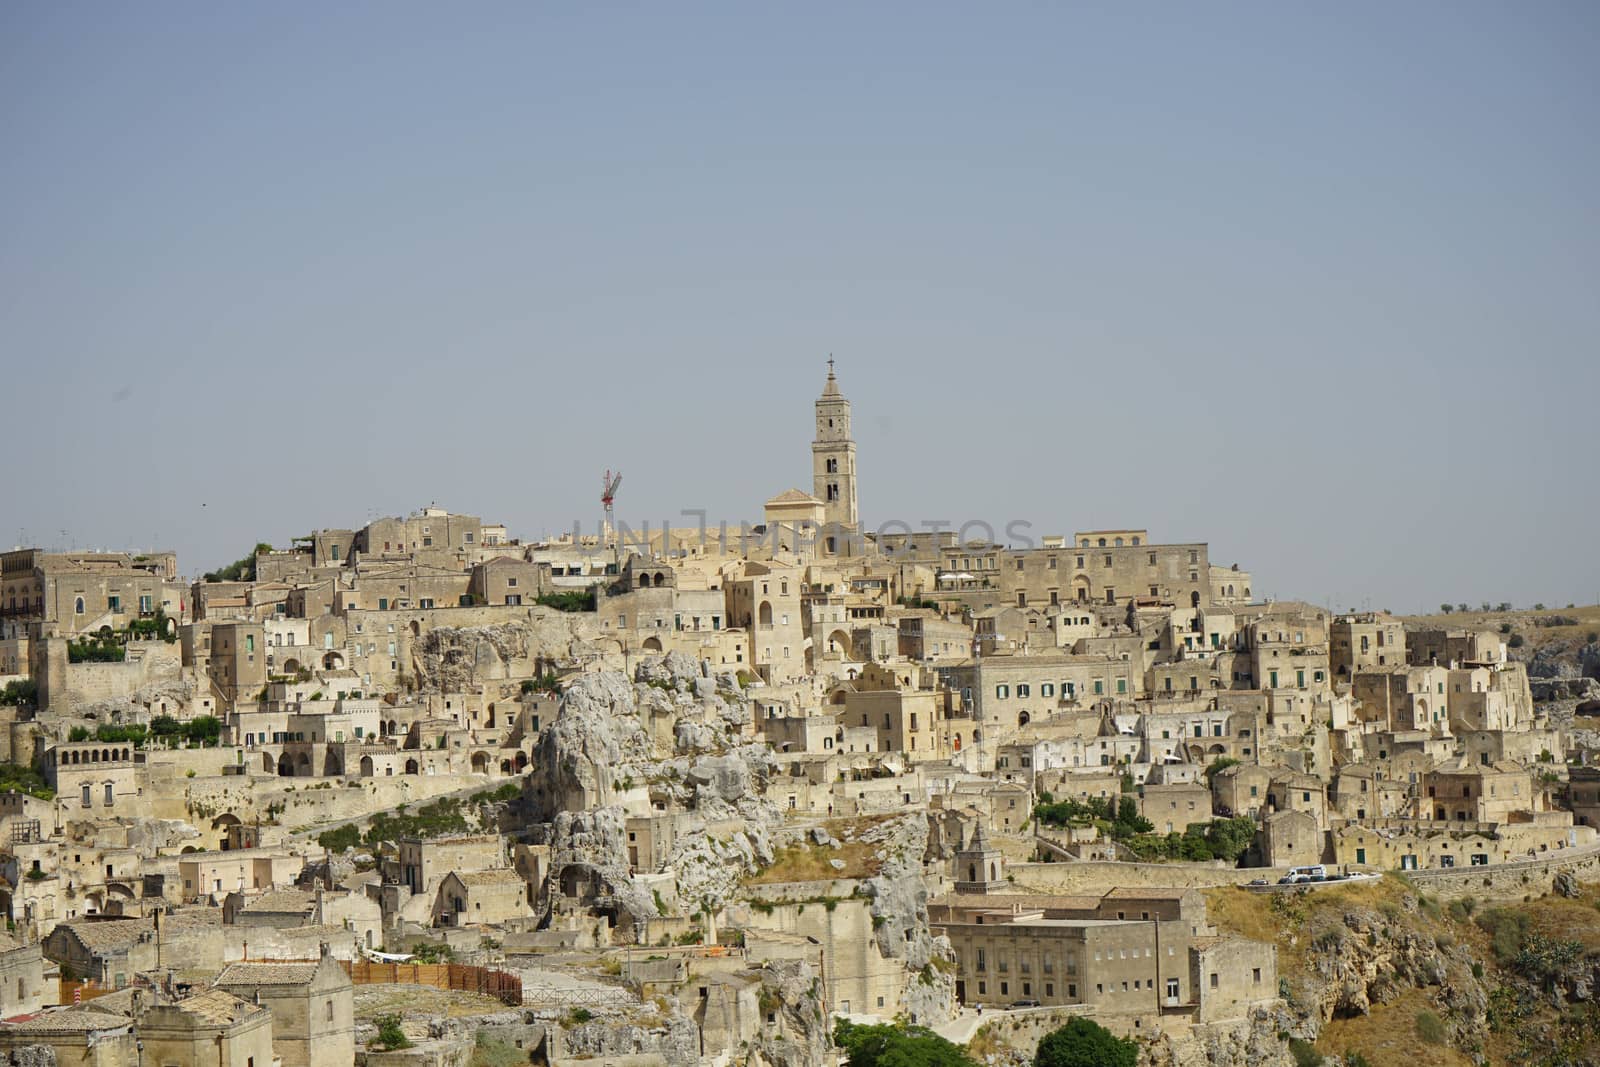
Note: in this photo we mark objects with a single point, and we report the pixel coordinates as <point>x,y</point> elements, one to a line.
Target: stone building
<point>481,898</point>
<point>80,592</point>
<point>213,1028</point>
<point>22,988</point>
<point>312,1005</point>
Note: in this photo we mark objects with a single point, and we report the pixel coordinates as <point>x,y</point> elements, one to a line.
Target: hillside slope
<point>1383,974</point>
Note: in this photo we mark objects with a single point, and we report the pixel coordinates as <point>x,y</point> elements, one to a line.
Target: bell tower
<point>980,867</point>
<point>833,457</point>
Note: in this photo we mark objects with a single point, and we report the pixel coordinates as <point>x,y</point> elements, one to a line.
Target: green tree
<point>390,1036</point>
<point>898,1046</point>
<point>204,729</point>
<point>1083,1043</point>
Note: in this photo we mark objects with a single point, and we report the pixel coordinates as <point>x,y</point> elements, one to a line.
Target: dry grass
<point>378,999</point>
<point>1522,622</point>
<point>1568,919</point>
<point>1242,912</point>
<point>810,863</point>
<point>1388,1035</point>
<point>806,862</point>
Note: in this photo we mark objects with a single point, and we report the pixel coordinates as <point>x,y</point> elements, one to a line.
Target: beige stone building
<point>312,1005</point>
<point>80,592</point>
<point>213,1028</point>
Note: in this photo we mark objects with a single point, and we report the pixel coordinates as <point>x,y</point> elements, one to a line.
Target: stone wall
<point>191,799</point>
<point>1098,877</point>
<point>1511,880</point>
<point>91,683</point>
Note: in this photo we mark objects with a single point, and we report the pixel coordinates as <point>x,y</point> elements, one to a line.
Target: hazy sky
<point>1314,283</point>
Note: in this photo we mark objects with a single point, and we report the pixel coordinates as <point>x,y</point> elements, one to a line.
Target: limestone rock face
<point>1569,688</point>
<point>29,1056</point>
<point>451,658</point>
<point>1251,1042</point>
<point>708,867</point>
<point>596,731</point>
<point>676,1040</point>
<point>801,1037</point>
<point>589,854</point>
<point>676,669</point>
<point>727,778</point>
<point>900,919</point>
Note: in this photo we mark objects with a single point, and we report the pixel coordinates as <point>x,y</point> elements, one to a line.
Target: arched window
<point>972,872</point>
<point>77,606</point>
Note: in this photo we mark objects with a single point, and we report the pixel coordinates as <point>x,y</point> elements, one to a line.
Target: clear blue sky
<point>1314,283</point>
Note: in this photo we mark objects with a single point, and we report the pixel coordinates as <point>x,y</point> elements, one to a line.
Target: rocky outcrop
<point>1249,1042</point>
<point>1546,690</point>
<point>28,1056</point>
<point>598,730</point>
<point>589,864</point>
<point>675,1039</point>
<point>800,1037</point>
<point>900,919</point>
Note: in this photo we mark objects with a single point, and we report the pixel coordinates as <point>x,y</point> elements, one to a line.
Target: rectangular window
<point>114,603</point>
<point>383,603</point>
<point>109,798</point>
<point>87,802</point>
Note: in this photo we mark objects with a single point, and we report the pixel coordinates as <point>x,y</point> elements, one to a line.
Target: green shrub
<point>340,838</point>
<point>573,600</point>
<point>19,694</point>
<point>1430,1028</point>
<point>241,570</point>
<point>1506,929</point>
<point>390,1036</point>
<point>1305,1055</point>
<point>1085,1043</point>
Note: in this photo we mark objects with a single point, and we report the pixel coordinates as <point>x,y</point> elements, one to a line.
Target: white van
<point>1314,873</point>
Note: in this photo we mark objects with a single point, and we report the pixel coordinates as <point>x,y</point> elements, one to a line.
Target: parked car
<point>1024,1003</point>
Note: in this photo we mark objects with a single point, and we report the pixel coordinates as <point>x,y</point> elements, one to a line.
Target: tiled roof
<point>267,974</point>
<point>290,900</point>
<point>69,1021</point>
<point>108,935</point>
<point>498,876</point>
<point>218,1006</point>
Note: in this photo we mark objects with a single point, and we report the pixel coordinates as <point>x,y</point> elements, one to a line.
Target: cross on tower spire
<point>830,364</point>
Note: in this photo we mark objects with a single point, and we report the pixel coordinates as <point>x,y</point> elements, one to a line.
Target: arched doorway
<point>652,644</point>
<point>285,766</point>
<point>764,615</point>
<point>411,766</point>
<point>1022,718</point>
<point>368,768</point>
<point>480,763</point>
